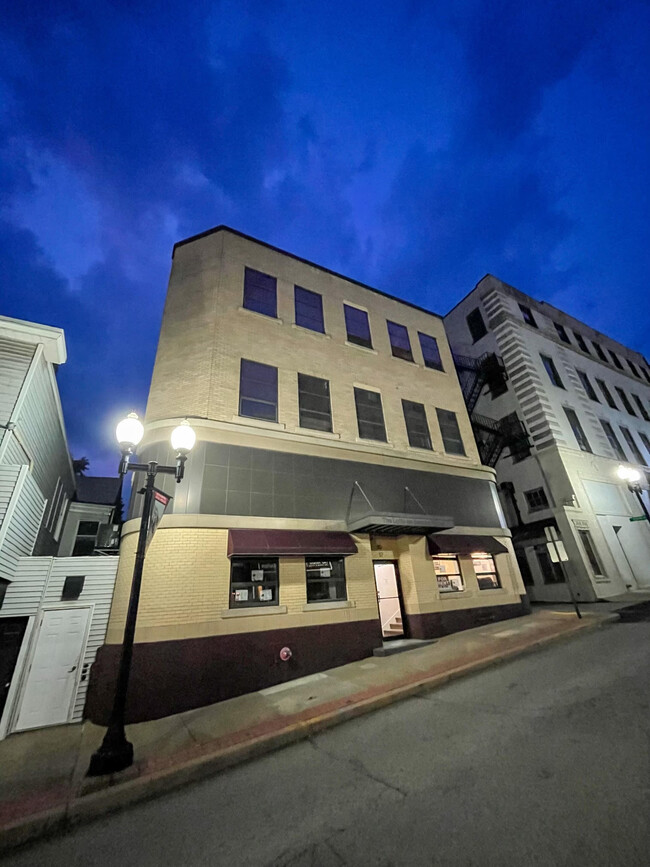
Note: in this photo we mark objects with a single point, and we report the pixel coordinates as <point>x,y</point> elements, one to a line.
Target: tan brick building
<point>335,498</point>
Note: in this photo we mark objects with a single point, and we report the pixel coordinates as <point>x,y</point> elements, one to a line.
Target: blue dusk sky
<point>414,146</point>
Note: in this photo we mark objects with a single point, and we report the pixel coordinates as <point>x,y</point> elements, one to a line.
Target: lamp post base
<point>111,757</point>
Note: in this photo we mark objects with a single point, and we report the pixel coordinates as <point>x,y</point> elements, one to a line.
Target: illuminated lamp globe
<point>628,474</point>
<point>183,437</point>
<point>129,431</point>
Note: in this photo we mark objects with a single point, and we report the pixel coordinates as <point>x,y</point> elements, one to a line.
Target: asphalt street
<point>544,760</point>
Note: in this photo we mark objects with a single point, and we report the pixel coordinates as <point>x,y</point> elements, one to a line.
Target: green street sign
<point>639,518</point>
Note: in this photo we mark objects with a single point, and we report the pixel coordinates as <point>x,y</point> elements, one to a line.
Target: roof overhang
<point>449,543</point>
<point>247,543</point>
<point>399,524</point>
<point>51,338</point>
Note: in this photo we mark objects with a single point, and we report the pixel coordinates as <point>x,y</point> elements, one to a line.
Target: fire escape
<point>492,435</point>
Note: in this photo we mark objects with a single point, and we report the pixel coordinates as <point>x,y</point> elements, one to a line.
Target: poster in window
<point>445,567</point>
<point>266,595</point>
<point>483,564</point>
<point>257,574</point>
<point>241,595</point>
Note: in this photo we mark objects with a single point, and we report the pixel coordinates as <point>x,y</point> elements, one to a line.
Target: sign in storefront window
<point>253,582</point>
<point>325,579</point>
<point>486,572</point>
<point>448,576</point>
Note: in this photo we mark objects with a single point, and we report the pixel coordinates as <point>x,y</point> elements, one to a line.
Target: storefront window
<point>253,582</point>
<point>447,569</point>
<point>486,571</point>
<point>325,579</point>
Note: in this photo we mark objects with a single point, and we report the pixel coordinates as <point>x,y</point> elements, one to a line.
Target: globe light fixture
<point>633,477</point>
<point>628,474</point>
<point>129,432</point>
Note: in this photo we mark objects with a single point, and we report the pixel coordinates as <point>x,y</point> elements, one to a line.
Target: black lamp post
<point>633,477</point>
<point>115,752</point>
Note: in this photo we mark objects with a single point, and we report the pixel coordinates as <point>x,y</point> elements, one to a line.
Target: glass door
<point>388,597</point>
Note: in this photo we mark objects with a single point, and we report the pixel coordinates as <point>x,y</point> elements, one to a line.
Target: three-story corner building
<point>335,497</point>
<point>584,401</point>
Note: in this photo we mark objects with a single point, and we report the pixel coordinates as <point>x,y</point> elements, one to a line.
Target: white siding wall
<point>21,511</point>
<point>12,450</point>
<point>15,358</point>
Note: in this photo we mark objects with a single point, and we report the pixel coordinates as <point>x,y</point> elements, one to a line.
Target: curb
<point>86,807</point>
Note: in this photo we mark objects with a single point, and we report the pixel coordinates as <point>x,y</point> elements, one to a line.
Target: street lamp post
<point>115,752</point>
<point>633,477</point>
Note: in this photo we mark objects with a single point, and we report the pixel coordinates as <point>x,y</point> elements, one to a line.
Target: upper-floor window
<point>617,448</point>
<point>588,387</point>
<point>633,368</point>
<point>606,394</point>
<point>625,401</point>
<point>314,406</point>
<point>578,432</point>
<point>645,373</point>
<point>258,390</point>
<point>370,415</point>
<point>581,342</point>
<point>476,325</point>
<point>400,345</point>
<point>417,428</point>
<point>430,351</point>
<point>357,326</point>
<point>260,292</point>
<point>636,451</point>
<point>599,351</point>
<point>561,331</point>
<point>536,499</point>
<point>527,313</point>
<point>308,309</point>
<point>616,359</point>
<point>646,443</point>
<point>86,539</point>
<point>451,438</point>
<point>551,369</point>
<point>642,408</point>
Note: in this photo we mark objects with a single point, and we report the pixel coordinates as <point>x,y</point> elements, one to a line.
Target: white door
<point>390,611</point>
<point>54,670</point>
<point>629,542</point>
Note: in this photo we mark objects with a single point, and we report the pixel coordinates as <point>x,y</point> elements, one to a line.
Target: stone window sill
<point>258,422</point>
<point>327,606</point>
<point>362,348</point>
<point>304,330</point>
<point>262,315</point>
<point>254,612</point>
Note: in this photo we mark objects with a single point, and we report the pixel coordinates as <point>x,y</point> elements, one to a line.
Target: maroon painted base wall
<point>441,623</point>
<point>169,677</point>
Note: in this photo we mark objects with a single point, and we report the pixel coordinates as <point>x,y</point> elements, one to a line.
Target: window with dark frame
<point>645,373</point>
<point>599,351</point>
<point>642,408</point>
<point>417,428</point>
<point>449,578</point>
<point>551,369</point>
<point>370,415</point>
<point>562,333</point>
<point>430,351</point>
<point>260,292</point>
<point>451,438</point>
<point>636,451</point>
<point>607,394</point>
<point>308,309</point>
<point>617,448</point>
<point>476,324</point>
<point>625,401</point>
<point>578,432</point>
<point>536,499</point>
<point>258,390</point>
<point>357,326</point>
<point>325,579</point>
<point>72,587</point>
<point>646,443</point>
<point>400,345</point>
<point>633,368</point>
<point>253,582</point>
<point>616,359</point>
<point>527,313</point>
<point>486,572</point>
<point>86,539</point>
<point>581,342</point>
<point>588,387</point>
<point>314,408</point>
<point>590,551</point>
<point>551,572</point>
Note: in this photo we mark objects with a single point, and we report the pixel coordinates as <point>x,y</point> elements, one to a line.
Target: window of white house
<point>253,582</point>
<point>448,575</point>
<point>72,587</point>
<point>325,579</point>
<point>486,572</point>
<point>84,544</point>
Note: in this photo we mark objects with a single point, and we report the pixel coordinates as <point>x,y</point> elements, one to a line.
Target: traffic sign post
<point>558,554</point>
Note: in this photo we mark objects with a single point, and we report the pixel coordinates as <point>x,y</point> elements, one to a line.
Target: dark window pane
<point>551,572</point>
<point>325,579</point>
<point>417,428</point>
<point>87,528</point>
<point>588,387</point>
<point>527,313</point>
<point>581,342</point>
<point>561,330</point>
<point>613,441</point>
<point>260,292</point>
<point>624,400</point>
<point>399,341</point>
<point>632,367</point>
<point>578,432</point>
<point>486,572</point>
<point>536,499</point>
<point>430,351</point>
<point>642,408</point>
<point>314,403</point>
<point>253,582</point>
<point>551,369</point>
<point>606,394</point>
<point>616,359</point>
<point>84,546</point>
<point>476,325</point>
<point>370,415</point>
<point>309,309</point>
<point>258,390</point>
<point>590,551</point>
<point>646,443</point>
<point>599,351</point>
<point>357,326</point>
<point>451,438</point>
<point>72,587</point>
<point>636,451</point>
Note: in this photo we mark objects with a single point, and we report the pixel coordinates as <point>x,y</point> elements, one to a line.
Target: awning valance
<point>447,543</point>
<point>399,524</point>
<point>242,543</point>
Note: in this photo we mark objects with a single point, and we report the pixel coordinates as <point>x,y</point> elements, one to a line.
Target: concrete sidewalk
<point>43,786</point>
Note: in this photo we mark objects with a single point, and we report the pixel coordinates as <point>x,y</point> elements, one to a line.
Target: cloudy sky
<point>414,146</point>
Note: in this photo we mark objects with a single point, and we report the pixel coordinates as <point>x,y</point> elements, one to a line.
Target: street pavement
<point>543,760</point>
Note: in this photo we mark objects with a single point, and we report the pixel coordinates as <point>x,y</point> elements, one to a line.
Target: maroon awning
<point>298,542</point>
<point>447,543</point>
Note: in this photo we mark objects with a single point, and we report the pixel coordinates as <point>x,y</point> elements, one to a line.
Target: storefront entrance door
<point>388,597</point>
